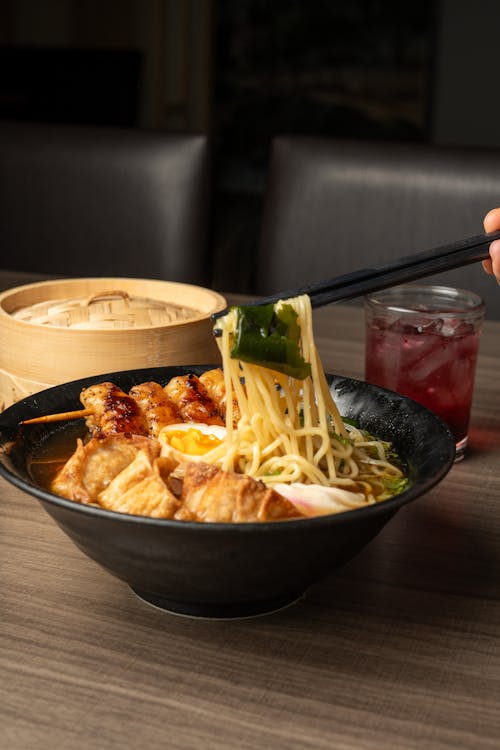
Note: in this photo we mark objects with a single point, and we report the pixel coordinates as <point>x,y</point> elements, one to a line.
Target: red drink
<point>426,348</point>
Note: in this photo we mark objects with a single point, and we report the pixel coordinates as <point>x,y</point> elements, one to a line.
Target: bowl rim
<point>385,507</point>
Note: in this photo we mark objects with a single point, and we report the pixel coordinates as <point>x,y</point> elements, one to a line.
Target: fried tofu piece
<point>127,474</point>
<point>94,465</point>
<point>212,495</point>
<point>140,490</point>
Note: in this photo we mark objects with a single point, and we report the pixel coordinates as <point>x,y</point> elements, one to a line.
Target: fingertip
<point>495,259</point>
<point>487,266</point>
<point>491,221</point>
<point>495,251</point>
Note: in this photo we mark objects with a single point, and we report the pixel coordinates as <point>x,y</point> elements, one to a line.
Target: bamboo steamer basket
<point>52,332</point>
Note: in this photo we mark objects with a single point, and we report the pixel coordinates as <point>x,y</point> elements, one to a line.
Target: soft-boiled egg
<point>190,441</point>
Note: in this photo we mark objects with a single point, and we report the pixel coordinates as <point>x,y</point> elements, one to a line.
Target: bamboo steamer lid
<point>52,332</point>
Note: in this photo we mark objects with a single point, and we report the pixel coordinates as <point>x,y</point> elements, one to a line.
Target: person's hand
<point>491,223</point>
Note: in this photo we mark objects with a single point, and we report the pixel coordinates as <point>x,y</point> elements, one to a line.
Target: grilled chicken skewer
<point>149,407</point>
<point>109,410</point>
<point>144,411</point>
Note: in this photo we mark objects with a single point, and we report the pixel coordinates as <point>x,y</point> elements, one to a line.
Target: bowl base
<point>216,610</point>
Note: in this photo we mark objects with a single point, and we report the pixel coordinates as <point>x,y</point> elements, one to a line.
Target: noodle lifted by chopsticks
<point>291,430</point>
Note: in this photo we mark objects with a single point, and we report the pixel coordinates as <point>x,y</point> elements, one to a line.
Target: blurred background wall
<point>245,70</point>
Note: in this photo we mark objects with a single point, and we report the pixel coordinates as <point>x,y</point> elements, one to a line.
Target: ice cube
<point>417,325</point>
<point>431,361</point>
<point>458,328</point>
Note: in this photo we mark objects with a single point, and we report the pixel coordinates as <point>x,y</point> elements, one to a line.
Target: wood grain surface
<point>400,648</point>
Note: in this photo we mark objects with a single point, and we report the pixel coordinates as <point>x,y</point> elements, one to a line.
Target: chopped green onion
<point>339,438</point>
<point>396,485</point>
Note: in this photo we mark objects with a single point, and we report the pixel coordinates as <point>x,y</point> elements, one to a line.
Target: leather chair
<point>88,201</point>
<point>333,206</point>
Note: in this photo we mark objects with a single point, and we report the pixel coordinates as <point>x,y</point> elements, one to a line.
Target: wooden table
<point>398,649</point>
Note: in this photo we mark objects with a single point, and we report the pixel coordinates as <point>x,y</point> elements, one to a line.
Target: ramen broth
<point>53,451</point>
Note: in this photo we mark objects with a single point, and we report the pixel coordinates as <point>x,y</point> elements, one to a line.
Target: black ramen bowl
<point>214,569</point>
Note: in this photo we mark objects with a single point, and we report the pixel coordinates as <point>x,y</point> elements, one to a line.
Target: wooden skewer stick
<point>63,416</point>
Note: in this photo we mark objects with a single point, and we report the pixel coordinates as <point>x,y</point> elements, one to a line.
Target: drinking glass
<point>422,341</point>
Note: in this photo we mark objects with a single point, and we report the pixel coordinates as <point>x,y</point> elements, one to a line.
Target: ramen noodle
<point>290,433</point>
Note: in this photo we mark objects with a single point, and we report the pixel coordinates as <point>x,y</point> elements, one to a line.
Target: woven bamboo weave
<point>113,309</point>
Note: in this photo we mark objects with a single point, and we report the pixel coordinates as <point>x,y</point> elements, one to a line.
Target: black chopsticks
<point>402,271</point>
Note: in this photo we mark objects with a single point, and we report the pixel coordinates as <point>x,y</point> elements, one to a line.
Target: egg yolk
<point>192,441</point>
